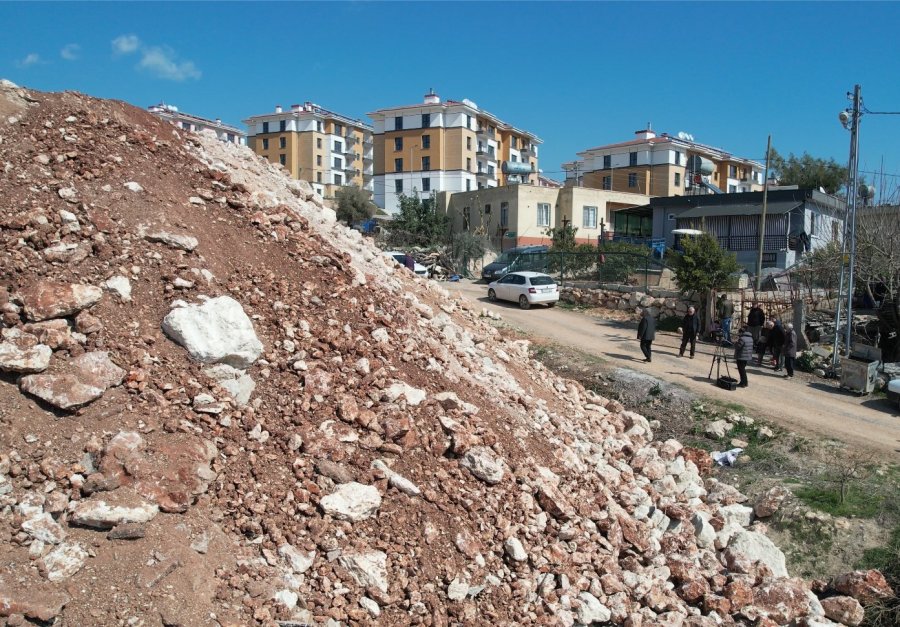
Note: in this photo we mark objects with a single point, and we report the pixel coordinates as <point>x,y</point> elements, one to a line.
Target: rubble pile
<point>219,406</point>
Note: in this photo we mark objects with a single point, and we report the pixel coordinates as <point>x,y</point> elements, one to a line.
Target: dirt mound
<point>221,407</point>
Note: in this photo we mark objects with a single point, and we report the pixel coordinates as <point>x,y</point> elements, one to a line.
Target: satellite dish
<point>682,135</point>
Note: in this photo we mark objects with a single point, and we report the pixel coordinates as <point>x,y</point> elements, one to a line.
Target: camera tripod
<point>719,357</point>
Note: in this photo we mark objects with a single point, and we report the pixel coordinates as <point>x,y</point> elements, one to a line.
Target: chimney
<point>646,133</point>
<point>277,108</point>
<point>218,120</point>
<point>295,107</point>
<point>432,98</point>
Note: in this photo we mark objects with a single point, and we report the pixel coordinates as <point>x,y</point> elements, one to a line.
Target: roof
<point>744,209</point>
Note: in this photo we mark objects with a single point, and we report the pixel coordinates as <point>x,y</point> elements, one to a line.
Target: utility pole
<point>762,218</point>
<point>851,200</point>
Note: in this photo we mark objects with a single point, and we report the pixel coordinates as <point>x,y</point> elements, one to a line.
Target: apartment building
<point>523,214</point>
<point>327,149</point>
<point>451,146</point>
<point>664,165</point>
<point>194,123</point>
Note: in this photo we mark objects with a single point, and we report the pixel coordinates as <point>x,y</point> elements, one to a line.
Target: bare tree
<point>878,269</point>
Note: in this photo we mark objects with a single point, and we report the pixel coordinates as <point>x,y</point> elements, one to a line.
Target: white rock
<point>381,335</point>
<point>413,396</point>
<point>717,429</point>
<point>396,479</point>
<point>352,501</point>
<point>367,569</point>
<point>64,561</point>
<point>287,598</point>
<point>97,512</point>
<point>515,550</point>
<point>737,514</point>
<point>18,357</point>
<point>299,561</point>
<point>481,462</point>
<point>68,194</point>
<point>591,610</point>
<point>457,590</point>
<point>217,331</point>
<point>133,186</point>
<point>237,383</point>
<point>120,286</point>
<point>703,530</point>
<point>174,240</point>
<point>370,606</point>
<point>42,527</point>
<point>756,546</point>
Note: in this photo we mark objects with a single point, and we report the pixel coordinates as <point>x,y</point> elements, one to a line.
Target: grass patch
<point>887,560</point>
<point>869,492</point>
<point>858,502</point>
<point>568,306</point>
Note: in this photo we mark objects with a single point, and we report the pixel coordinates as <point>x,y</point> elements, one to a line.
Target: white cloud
<point>32,58</point>
<point>70,52</point>
<point>163,63</point>
<point>126,44</point>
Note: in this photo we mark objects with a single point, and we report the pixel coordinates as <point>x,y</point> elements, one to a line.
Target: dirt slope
<point>316,436</point>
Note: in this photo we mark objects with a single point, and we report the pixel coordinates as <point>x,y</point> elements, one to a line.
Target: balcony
<point>486,132</point>
<point>351,139</point>
<point>368,141</point>
<point>349,155</point>
<point>484,174</point>
<point>369,155</point>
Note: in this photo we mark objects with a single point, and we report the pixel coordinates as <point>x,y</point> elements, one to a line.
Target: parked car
<point>521,258</point>
<point>525,288</point>
<point>401,259</point>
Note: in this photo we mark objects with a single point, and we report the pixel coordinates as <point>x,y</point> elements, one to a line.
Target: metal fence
<point>590,269</point>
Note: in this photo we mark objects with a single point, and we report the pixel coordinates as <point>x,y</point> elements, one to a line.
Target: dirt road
<point>805,404</point>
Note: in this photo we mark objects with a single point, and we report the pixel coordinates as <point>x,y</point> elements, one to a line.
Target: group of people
<point>758,336</point>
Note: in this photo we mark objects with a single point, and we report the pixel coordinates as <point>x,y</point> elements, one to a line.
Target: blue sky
<point>577,74</point>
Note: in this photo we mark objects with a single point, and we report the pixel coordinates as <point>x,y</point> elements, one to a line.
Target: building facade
<point>324,148</point>
<point>450,146</point>
<point>664,165</point>
<point>194,123</point>
<point>523,214</point>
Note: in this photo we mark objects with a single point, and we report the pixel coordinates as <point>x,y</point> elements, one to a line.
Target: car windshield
<point>542,280</point>
<point>505,258</point>
<point>399,258</point>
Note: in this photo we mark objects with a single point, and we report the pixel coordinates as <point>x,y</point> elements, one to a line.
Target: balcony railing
<point>736,243</point>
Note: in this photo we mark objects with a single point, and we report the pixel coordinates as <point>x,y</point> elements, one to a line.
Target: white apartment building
<point>188,122</point>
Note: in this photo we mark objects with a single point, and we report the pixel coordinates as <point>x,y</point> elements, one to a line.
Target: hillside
<point>220,407</point>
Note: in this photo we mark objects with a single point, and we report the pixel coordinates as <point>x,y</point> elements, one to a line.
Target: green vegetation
<point>808,171</point>
<point>418,222</point>
<point>852,486</point>
<point>353,205</point>
<point>703,265</point>
<point>887,560</point>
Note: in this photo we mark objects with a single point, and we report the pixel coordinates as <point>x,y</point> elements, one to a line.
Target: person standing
<point>743,353</point>
<point>763,342</point>
<point>647,333</point>
<point>725,310</point>
<point>790,349</point>
<point>776,342</point>
<point>690,327</point>
<point>756,318</point>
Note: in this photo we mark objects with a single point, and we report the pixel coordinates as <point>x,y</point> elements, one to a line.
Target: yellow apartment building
<point>327,149</point>
<point>663,165</point>
<point>449,146</point>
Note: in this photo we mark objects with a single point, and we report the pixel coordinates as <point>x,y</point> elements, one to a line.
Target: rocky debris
<point>299,561</point>
<point>748,547</point>
<point>215,332</point>
<point>38,602</point>
<point>352,501</point>
<point>591,610</point>
<point>866,586</point>
<point>83,380</point>
<point>782,600</point>
<point>237,383</point>
<point>50,299</point>
<point>368,569</point>
<point>718,429</point>
<point>120,286</point>
<point>411,395</point>
<point>22,353</point>
<point>769,502</point>
<point>396,479</point>
<point>64,561</point>
<point>843,610</point>
<point>180,241</point>
<point>515,550</point>
<point>127,531</point>
<point>484,464</point>
<point>133,186</point>
<point>121,507</point>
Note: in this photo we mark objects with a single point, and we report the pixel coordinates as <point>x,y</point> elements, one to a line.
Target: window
<point>426,164</point>
<point>282,159</point>
<point>513,142</point>
<point>607,182</point>
<point>467,217</point>
<point>398,186</point>
<point>231,137</point>
<point>468,185</point>
<point>468,164</point>
<point>426,120</point>
<point>468,143</point>
<point>265,127</point>
<point>589,217</point>
<point>338,179</point>
<point>491,152</point>
<point>282,142</point>
<point>632,158</point>
<point>338,129</point>
<point>282,125</point>
<point>504,214</point>
<point>607,162</point>
<point>338,146</point>
<point>338,163</point>
<point>398,143</point>
<point>469,122</point>
<point>732,171</point>
<point>265,144</point>
<point>318,142</point>
<point>632,179</point>
<point>677,158</point>
<point>732,189</point>
<point>543,214</point>
<point>812,224</point>
<point>487,210</point>
<point>186,126</point>
<point>398,165</point>
<point>398,123</point>
<point>678,179</point>
<point>319,160</point>
<point>490,170</point>
<point>319,126</point>
<point>318,177</point>
<point>426,141</point>
<point>426,185</point>
<point>513,158</point>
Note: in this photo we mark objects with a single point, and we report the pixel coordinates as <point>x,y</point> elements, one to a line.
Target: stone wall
<point>662,303</point>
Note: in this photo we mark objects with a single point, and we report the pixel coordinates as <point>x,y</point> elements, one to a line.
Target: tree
<point>353,205</point>
<point>703,267</point>
<point>808,171</point>
<point>419,222</point>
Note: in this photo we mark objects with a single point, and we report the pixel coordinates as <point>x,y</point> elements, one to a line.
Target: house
<point>522,214</point>
<point>663,165</point>
<point>194,123</point>
<point>327,149</point>
<point>447,146</point>
<point>797,221</point>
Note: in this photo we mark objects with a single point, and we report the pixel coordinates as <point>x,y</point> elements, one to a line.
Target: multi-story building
<point>664,165</point>
<point>188,122</point>
<point>327,149</point>
<point>447,146</point>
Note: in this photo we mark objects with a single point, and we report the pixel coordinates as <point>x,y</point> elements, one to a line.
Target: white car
<point>401,259</point>
<point>525,288</point>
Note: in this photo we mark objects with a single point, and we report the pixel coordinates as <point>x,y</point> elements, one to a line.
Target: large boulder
<point>84,380</point>
<point>215,332</point>
<point>49,299</point>
<point>22,353</point>
<point>484,464</point>
<point>844,610</point>
<point>866,586</point>
<point>746,547</point>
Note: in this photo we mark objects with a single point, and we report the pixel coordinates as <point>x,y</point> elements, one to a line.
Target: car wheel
<point>523,302</point>
<point>492,295</point>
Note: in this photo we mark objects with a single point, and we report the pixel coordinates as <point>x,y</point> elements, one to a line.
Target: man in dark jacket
<point>756,318</point>
<point>725,310</point>
<point>790,349</point>
<point>690,327</point>
<point>762,345</point>
<point>647,333</point>
<point>776,341</point>
<point>743,353</point>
